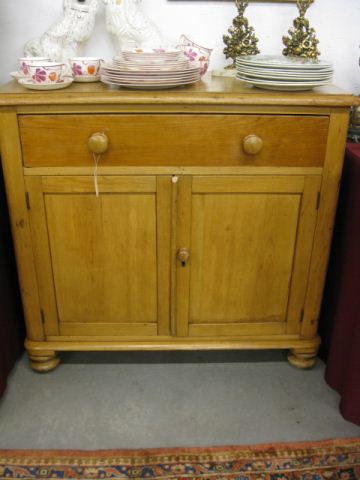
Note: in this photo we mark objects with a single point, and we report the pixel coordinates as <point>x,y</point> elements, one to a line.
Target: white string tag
<point>96,162</point>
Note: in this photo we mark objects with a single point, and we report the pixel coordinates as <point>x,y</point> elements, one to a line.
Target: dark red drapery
<point>341,306</point>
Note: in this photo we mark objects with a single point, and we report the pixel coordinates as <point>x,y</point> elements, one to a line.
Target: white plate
<point>45,86</point>
<point>151,51</point>
<point>146,67</point>
<point>282,86</point>
<point>263,68</point>
<point>280,73</point>
<point>137,81</point>
<point>280,61</point>
<point>148,86</point>
<point>87,78</point>
<point>146,76</point>
<point>283,77</point>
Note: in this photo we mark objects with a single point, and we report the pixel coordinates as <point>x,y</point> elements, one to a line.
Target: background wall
<point>337,23</point>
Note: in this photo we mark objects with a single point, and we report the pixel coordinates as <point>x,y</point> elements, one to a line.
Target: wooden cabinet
<point>212,225</point>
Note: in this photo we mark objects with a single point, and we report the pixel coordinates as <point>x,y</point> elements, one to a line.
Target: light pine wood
<point>174,140</point>
<point>304,358</point>
<point>243,248</point>
<point>43,362</point>
<point>192,243</point>
<point>108,171</point>
<point>212,91</point>
<point>163,206</point>
<point>90,343</point>
<point>14,182</point>
<point>304,245</point>
<point>182,279</point>
<point>102,328</point>
<point>128,184</point>
<point>42,255</point>
<point>327,209</point>
<point>104,257</point>
<point>248,184</point>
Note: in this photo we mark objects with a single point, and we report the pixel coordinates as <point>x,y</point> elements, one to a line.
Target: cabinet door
<point>102,262</point>
<point>248,241</point>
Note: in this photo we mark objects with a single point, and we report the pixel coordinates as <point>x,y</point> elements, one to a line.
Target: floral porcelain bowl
<point>25,62</point>
<point>46,72</point>
<point>86,69</point>
<point>197,55</point>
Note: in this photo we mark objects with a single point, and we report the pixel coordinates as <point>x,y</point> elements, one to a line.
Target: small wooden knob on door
<point>98,143</point>
<point>252,144</point>
<point>183,256</point>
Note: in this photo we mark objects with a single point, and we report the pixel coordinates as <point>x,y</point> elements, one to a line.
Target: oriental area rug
<point>328,460</point>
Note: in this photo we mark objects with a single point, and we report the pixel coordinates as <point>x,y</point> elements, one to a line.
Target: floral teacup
<point>25,62</point>
<point>197,55</point>
<point>47,72</point>
<point>85,69</point>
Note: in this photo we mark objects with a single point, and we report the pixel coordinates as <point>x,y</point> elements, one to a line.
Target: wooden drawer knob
<point>98,143</point>
<point>252,144</point>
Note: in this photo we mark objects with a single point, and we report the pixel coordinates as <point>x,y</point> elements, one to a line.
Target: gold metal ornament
<point>241,39</point>
<point>302,41</point>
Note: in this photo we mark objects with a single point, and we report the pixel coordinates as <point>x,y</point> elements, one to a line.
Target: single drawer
<point>170,140</point>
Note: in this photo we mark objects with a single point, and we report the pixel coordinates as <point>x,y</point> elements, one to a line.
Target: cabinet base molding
<point>43,357</point>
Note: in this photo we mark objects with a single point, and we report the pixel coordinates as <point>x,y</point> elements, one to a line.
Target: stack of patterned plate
<point>275,72</point>
<point>150,69</point>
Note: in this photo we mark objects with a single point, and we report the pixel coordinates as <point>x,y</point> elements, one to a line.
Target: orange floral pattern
<point>328,460</point>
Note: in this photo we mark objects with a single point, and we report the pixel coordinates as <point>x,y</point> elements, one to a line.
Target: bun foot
<point>302,358</point>
<point>43,363</point>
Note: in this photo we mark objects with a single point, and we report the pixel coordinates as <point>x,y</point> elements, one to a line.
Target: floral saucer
<point>86,78</point>
<point>45,86</point>
<point>16,75</point>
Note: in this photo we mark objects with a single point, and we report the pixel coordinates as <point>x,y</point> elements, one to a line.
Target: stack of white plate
<point>150,69</point>
<point>276,72</point>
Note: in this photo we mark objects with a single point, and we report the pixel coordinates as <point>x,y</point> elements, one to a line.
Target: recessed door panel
<point>103,262</point>
<point>249,241</point>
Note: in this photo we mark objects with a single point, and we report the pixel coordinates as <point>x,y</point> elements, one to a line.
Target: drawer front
<point>171,140</point>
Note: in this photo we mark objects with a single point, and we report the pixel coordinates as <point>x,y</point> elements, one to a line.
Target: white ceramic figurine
<point>61,41</point>
<point>131,27</point>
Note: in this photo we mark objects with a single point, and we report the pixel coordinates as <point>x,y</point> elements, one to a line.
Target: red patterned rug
<point>327,460</point>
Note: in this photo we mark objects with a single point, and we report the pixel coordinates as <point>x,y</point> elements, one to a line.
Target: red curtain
<point>341,307</point>
<point>11,317</point>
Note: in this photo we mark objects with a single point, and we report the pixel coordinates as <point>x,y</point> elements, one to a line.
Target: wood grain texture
<point>14,182</point>
<point>210,91</point>
<point>255,342</point>
<point>242,250</point>
<point>44,271</point>
<point>183,233</point>
<point>104,257</point>
<point>173,139</point>
<point>304,245</point>
<point>177,170</point>
<point>163,245</point>
<point>324,228</point>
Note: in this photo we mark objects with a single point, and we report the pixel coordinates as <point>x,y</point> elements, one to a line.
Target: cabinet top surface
<point>211,90</point>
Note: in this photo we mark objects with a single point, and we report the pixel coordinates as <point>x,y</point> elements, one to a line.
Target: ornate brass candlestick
<point>242,39</point>
<point>302,41</point>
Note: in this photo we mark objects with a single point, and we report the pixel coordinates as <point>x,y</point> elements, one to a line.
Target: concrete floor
<point>134,400</point>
